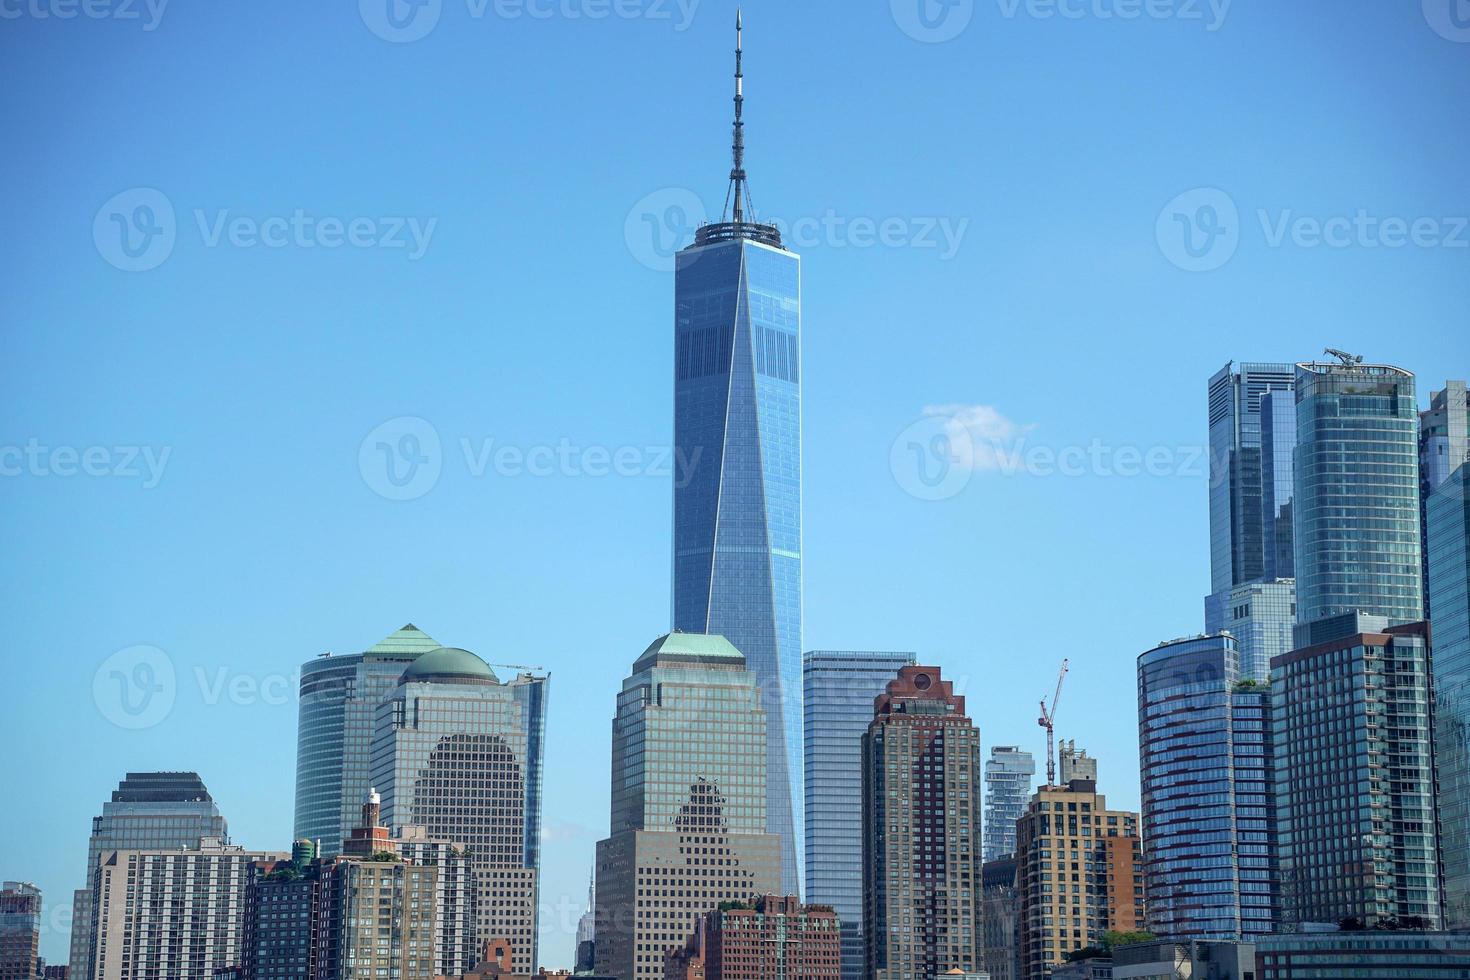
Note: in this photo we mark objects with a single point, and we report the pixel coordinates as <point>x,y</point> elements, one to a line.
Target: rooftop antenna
<point>1047,721</point>
<point>738,189</point>
<point>1348,360</point>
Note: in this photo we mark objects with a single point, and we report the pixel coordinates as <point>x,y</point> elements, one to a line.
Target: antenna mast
<point>1047,720</point>
<point>737,172</point>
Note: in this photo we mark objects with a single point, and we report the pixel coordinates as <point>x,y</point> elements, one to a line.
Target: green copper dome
<point>449,664</point>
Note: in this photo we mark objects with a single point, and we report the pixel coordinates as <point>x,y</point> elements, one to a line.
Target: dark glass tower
<point>737,515</point>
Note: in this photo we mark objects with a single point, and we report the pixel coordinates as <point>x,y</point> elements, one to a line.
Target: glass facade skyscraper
<point>1252,420</point>
<point>1008,775</point>
<point>838,688</point>
<point>1351,737</point>
<point>1356,506</point>
<point>457,753</point>
<point>336,714</point>
<point>1448,545</point>
<point>149,811</point>
<point>1207,785</point>
<point>688,821</point>
<point>737,512</point>
<point>1444,446</point>
<point>1244,504</point>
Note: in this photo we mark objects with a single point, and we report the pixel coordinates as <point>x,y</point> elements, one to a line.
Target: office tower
<point>838,688</point>
<point>1444,446</point>
<point>737,511</point>
<point>1207,774</point>
<point>147,811</point>
<point>1355,775</point>
<point>1448,546</point>
<point>334,742</point>
<point>1008,776</point>
<point>769,937</point>
<point>1074,763</point>
<point>1078,875</point>
<point>1356,507</point>
<point>1252,423</point>
<point>20,930</point>
<point>688,827</point>
<point>458,753</point>
<point>921,830</point>
<point>999,955</point>
<point>1241,499</point>
<point>176,913</point>
<point>1261,616</point>
<point>1369,955</point>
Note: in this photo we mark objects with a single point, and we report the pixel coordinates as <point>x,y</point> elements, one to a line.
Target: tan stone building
<point>1077,874</point>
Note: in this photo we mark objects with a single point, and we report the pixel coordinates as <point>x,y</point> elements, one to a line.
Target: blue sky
<point>1065,149</point>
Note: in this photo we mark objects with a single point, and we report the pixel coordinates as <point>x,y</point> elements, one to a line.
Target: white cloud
<point>981,439</point>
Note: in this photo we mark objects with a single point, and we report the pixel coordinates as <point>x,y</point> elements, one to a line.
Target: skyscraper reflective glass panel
<point>1356,505</point>
<point>1206,772</point>
<point>1239,496</point>
<point>1448,544</point>
<point>838,689</point>
<point>1009,774</point>
<point>737,508</point>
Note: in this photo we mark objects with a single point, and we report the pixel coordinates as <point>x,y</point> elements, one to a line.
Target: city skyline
<point>267,538</point>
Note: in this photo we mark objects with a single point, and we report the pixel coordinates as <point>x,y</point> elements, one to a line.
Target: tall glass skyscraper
<point>1252,418</point>
<point>1444,446</point>
<point>838,689</point>
<point>1448,544</point>
<point>737,513</point>
<point>457,752</point>
<point>149,811</point>
<point>1356,506</point>
<point>1355,794</point>
<point>1244,504</point>
<point>1207,777</point>
<point>1008,775</point>
<point>338,704</point>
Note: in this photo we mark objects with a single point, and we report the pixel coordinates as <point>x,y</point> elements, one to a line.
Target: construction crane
<point>1047,719</point>
<point>524,667</point>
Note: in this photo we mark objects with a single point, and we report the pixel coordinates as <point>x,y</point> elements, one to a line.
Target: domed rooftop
<point>450,664</point>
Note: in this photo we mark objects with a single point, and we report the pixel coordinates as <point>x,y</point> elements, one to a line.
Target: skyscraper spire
<point>737,172</point>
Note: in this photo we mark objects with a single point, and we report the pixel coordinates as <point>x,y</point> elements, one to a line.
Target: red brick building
<point>770,938</point>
